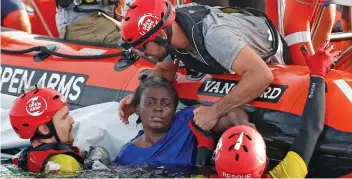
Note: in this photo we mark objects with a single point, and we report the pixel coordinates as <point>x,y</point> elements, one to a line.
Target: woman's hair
<point>153,82</point>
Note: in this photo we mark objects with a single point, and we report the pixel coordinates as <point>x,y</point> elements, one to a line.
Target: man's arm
<point>255,78</point>
<point>236,116</point>
<point>166,69</point>
<point>294,165</point>
<point>312,122</point>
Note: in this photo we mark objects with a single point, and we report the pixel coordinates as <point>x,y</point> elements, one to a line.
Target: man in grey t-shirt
<point>226,42</point>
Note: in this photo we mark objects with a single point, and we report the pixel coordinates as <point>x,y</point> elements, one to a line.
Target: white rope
<point>298,37</point>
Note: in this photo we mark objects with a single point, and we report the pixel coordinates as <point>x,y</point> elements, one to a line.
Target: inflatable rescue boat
<point>89,74</point>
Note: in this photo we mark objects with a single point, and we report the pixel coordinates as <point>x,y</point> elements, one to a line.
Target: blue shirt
<point>176,147</point>
<point>8,6</point>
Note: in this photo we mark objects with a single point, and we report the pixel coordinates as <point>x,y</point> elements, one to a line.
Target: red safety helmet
<point>34,108</point>
<point>143,20</point>
<point>241,152</point>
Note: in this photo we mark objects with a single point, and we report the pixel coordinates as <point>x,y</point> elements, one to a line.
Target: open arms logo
<point>146,23</point>
<point>36,106</point>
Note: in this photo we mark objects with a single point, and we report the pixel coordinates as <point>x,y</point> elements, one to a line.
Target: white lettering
<point>19,79</point>
<point>227,175</point>
<point>148,24</point>
<point>15,80</point>
<point>273,94</point>
<point>267,91</point>
<point>208,85</point>
<point>311,91</point>
<point>65,88</point>
<point>227,87</point>
<point>53,80</point>
<point>5,77</point>
<point>76,88</point>
<point>222,87</point>
<point>215,87</point>
<point>34,106</point>
<point>42,79</point>
<point>25,81</point>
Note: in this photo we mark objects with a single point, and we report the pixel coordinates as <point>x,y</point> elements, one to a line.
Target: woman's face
<point>156,109</point>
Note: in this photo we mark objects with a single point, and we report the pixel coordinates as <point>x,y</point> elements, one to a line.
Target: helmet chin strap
<point>52,128</point>
<point>166,43</point>
<point>52,132</point>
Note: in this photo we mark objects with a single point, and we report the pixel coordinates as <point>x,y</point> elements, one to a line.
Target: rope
<point>129,54</point>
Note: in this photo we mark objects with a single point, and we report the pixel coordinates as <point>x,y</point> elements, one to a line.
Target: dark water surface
<point>118,172</point>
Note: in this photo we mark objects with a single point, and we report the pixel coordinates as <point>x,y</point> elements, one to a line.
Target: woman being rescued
<point>171,138</point>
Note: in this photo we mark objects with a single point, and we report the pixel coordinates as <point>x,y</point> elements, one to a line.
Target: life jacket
<point>34,159</point>
<point>190,19</point>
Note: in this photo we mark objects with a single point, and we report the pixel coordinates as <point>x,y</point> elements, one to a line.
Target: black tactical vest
<point>190,19</point>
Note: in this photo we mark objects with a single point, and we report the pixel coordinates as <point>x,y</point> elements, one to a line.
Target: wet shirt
<point>8,6</point>
<point>176,147</point>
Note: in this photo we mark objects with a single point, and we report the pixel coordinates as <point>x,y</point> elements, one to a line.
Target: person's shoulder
<point>64,165</point>
<point>66,162</point>
<point>186,110</point>
<point>184,115</point>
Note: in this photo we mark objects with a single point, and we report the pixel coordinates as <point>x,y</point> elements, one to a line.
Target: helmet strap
<point>52,132</point>
<point>166,43</point>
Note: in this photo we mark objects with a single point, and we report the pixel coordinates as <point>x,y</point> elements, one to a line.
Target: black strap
<point>204,154</point>
<point>80,10</point>
<point>166,43</point>
<point>52,132</point>
<point>55,146</point>
<point>272,29</point>
<point>211,135</point>
<point>190,19</point>
<point>22,159</point>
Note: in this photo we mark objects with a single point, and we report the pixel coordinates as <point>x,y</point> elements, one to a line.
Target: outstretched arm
<point>166,69</point>
<point>312,122</point>
<point>296,161</point>
<point>255,78</point>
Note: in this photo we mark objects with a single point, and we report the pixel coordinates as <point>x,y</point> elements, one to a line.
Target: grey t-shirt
<point>226,34</point>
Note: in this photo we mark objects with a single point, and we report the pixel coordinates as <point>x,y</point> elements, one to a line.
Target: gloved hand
<point>320,63</point>
<point>206,144</point>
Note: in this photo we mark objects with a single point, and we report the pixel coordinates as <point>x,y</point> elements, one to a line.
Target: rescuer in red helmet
<point>212,40</point>
<point>241,151</point>
<point>41,115</point>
